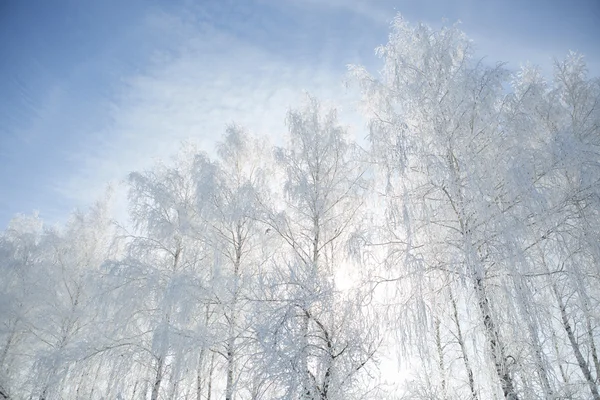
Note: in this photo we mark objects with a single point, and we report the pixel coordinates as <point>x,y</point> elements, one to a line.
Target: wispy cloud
<point>377,11</point>
<point>193,89</point>
<point>86,111</point>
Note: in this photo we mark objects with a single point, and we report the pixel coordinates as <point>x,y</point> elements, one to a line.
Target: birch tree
<point>67,322</point>
<point>563,115</point>
<point>436,130</point>
<point>20,255</point>
<point>163,284</point>
<point>227,189</point>
<point>322,199</point>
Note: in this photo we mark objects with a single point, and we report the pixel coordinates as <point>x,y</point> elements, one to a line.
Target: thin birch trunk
<point>440,351</point>
<point>585,370</point>
<point>563,374</point>
<point>496,347</point>
<point>158,378</point>
<point>593,349</point>
<point>199,382</point>
<point>231,345</point>
<point>463,347</point>
<point>210,376</point>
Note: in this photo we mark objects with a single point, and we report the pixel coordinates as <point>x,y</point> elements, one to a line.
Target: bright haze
<point>90,91</point>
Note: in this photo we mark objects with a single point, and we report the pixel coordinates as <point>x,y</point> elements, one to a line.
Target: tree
<point>564,117</point>
<point>488,187</point>
<point>227,191</point>
<point>161,289</point>
<point>20,253</point>
<point>66,320</point>
<point>436,130</point>
<point>309,330</point>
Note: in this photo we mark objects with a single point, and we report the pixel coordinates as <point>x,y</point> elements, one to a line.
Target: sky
<point>92,90</point>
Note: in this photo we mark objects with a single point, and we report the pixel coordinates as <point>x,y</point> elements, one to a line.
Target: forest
<point>454,254</point>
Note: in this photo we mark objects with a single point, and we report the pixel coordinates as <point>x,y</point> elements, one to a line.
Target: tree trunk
<point>158,378</point>
<point>575,346</point>
<point>199,375</point>
<point>563,374</point>
<point>493,338</point>
<point>463,347</point>
<point>440,351</point>
<point>594,351</point>
<point>231,345</point>
<point>230,367</point>
<point>307,391</point>
<point>522,300</point>
<point>210,376</point>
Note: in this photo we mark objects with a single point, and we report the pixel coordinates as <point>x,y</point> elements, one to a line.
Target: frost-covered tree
<point>227,190</point>
<point>68,320</point>
<point>561,120</point>
<point>160,291</point>
<point>49,301</point>
<point>20,263</point>
<point>313,334</point>
<point>477,179</point>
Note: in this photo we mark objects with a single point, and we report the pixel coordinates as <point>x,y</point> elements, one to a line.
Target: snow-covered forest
<point>455,254</point>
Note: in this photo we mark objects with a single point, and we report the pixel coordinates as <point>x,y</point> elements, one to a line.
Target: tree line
<point>461,240</point>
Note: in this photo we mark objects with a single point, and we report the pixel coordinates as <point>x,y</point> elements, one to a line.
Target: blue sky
<point>90,90</point>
